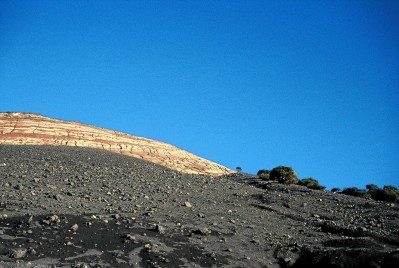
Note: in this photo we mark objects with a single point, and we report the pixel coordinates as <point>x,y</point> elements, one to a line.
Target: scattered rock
<point>52,220</point>
<point>32,251</point>
<point>130,237</point>
<point>58,197</point>
<point>202,231</point>
<point>160,229</point>
<point>74,227</point>
<point>264,223</point>
<point>19,187</point>
<point>288,257</point>
<point>188,204</point>
<point>18,253</point>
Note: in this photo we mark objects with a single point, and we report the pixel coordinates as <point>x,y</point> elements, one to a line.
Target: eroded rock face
<point>34,129</point>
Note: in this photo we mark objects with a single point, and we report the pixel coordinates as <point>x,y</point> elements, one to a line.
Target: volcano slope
<point>82,207</point>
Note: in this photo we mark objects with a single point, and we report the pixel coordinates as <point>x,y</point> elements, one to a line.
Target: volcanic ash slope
<point>80,207</point>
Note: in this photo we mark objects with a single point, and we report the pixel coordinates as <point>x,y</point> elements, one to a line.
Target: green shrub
<point>389,194</point>
<point>284,175</point>
<point>264,174</point>
<point>384,195</point>
<point>311,184</point>
<point>371,187</point>
<point>391,188</point>
<point>353,191</point>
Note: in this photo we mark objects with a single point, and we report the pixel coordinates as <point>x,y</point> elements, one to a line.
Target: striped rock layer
<point>34,129</point>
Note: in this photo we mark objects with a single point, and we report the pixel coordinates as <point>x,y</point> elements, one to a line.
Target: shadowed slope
<point>34,129</point>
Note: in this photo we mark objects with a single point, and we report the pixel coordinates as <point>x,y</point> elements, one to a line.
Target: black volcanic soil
<point>79,207</point>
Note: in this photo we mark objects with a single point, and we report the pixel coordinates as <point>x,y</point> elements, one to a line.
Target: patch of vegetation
<point>264,174</point>
<point>311,184</point>
<point>354,191</point>
<point>388,194</point>
<point>287,175</point>
<point>284,175</point>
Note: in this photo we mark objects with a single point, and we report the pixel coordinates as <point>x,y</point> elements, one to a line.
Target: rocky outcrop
<point>34,129</point>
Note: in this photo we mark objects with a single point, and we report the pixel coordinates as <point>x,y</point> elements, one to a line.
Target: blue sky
<point>309,84</point>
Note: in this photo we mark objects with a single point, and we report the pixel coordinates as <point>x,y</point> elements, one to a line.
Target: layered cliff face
<point>34,129</point>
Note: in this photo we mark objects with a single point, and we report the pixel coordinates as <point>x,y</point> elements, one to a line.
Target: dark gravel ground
<point>79,207</point>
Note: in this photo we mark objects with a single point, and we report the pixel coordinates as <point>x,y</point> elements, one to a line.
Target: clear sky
<point>309,84</point>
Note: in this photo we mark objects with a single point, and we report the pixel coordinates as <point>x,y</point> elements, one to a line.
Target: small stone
<point>19,187</point>
<point>30,220</point>
<point>58,197</point>
<point>160,229</point>
<point>32,251</point>
<point>54,219</point>
<point>203,231</point>
<point>17,253</point>
<point>211,254</point>
<point>362,229</point>
<point>188,204</point>
<point>287,257</point>
<point>74,227</point>
<point>287,205</point>
<point>130,237</point>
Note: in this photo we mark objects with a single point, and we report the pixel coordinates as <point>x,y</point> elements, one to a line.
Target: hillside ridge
<point>18,128</point>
